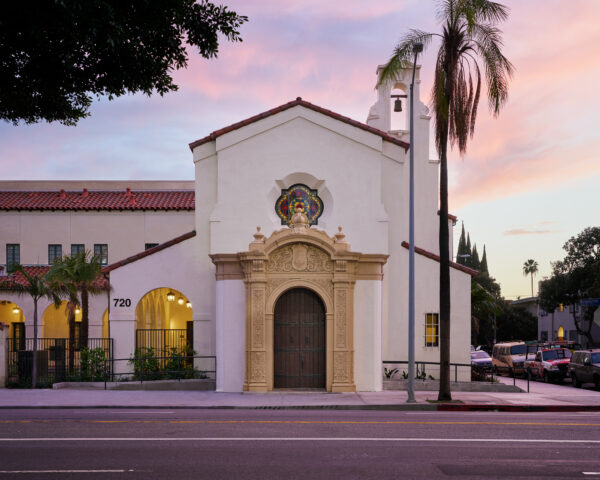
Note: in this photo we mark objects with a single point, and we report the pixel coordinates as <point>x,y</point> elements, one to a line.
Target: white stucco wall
<point>367,335</point>
<point>125,233</point>
<point>179,267</point>
<point>231,335</point>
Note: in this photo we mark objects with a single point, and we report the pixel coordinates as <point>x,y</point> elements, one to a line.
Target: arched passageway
<point>12,315</point>
<point>164,321</point>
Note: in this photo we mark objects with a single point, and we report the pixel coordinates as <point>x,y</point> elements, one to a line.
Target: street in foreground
<point>153,444</point>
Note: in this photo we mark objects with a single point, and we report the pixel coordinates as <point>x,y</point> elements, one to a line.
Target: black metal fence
<point>58,359</point>
<point>424,370</point>
<point>144,366</point>
<point>163,343</point>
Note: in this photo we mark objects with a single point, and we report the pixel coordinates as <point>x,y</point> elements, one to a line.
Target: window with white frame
<point>432,330</point>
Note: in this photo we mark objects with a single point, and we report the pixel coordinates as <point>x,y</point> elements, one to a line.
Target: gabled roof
<point>436,257</point>
<point>150,251</point>
<point>97,200</point>
<point>303,103</point>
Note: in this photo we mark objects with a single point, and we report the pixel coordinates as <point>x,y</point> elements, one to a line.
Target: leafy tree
<point>37,287</point>
<point>77,275</point>
<point>530,267</point>
<point>574,279</point>
<point>56,55</point>
<point>515,323</point>
<point>469,34</point>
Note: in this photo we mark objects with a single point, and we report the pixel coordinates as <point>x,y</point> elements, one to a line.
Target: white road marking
<point>294,439</point>
<point>65,471</point>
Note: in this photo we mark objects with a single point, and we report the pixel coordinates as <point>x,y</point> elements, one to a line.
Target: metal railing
<point>486,374</point>
<point>144,368</point>
<point>58,359</point>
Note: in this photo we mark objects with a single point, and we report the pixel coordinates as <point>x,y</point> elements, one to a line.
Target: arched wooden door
<point>299,344</point>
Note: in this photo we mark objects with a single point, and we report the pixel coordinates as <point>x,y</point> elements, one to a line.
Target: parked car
<point>509,357</point>
<point>585,367</point>
<point>481,359</point>
<point>549,364</point>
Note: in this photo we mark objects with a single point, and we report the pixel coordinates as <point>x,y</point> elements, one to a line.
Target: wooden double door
<point>299,323</point>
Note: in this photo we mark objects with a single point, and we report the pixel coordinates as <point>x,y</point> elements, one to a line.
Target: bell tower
<point>380,113</point>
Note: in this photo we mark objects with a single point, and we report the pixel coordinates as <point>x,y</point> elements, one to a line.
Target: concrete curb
<point>442,407</point>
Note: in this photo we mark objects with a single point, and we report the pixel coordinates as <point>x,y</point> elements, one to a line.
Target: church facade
<point>296,269</point>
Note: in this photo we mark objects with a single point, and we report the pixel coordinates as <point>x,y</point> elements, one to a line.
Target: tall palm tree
<point>530,267</point>
<point>469,37</point>
<point>78,274</point>
<point>37,287</point>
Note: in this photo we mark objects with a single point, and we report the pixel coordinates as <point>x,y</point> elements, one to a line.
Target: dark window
<point>13,255</point>
<point>101,250</point>
<point>77,248</point>
<point>150,245</point>
<point>18,336</point>
<point>54,252</point>
<point>432,332</point>
<point>544,335</point>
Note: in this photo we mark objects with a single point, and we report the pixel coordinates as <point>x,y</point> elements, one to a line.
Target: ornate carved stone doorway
<point>307,258</point>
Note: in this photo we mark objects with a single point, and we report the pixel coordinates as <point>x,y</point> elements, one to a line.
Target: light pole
<point>417,48</point>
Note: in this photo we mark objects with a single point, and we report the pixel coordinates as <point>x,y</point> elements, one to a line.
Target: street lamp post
<point>417,48</point>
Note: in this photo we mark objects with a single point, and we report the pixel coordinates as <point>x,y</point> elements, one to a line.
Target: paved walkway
<point>541,396</point>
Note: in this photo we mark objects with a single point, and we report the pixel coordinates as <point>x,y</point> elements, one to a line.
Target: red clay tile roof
<point>303,103</point>
<point>150,251</point>
<point>34,270</point>
<point>436,257</point>
<point>97,200</point>
<point>454,218</point>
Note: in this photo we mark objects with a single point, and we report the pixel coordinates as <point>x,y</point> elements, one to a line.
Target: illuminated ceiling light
<point>188,304</point>
<point>16,310</point>
<point>170,297</point>
<point>180,301</point>
<point>77,311</point>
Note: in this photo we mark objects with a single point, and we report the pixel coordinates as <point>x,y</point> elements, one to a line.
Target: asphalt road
<point>290,444</point>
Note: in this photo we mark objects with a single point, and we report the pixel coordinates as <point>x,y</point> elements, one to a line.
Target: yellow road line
<point>313,422</point>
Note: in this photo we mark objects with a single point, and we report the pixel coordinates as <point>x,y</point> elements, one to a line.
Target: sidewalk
<point>542,397</point>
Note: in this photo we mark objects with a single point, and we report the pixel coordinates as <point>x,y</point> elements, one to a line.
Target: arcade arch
<point>164,320</point>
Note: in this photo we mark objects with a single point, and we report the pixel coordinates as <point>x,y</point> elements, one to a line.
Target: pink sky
<point>544,141</point>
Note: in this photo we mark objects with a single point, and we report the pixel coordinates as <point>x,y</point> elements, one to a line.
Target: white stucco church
<point>296,264</point>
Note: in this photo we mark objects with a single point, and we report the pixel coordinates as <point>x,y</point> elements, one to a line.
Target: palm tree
<point>530,267</point>
<point>37,287</point>
<point>77,274</point>
<point>469,36</point>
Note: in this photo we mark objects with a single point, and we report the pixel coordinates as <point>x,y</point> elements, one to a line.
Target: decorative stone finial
<point>299,220</point>
<point>258,236</point>
<point>339,237</point>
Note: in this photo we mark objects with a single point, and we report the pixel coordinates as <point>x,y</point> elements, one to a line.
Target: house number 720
<point>122,302</point>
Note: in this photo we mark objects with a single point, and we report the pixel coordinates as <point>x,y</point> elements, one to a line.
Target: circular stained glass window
<point>299,196</point>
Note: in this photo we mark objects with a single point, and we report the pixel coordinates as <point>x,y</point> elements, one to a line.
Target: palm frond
<point>403,55</point>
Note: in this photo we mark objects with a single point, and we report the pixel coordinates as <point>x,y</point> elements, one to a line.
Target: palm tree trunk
<point>71,322</point>
<point>34,372</point>
<point>84,316</point>
<point>444,391</point>
<point>532,284</point>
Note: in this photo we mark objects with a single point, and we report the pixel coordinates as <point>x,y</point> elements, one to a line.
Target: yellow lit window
<point>432,330</point>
